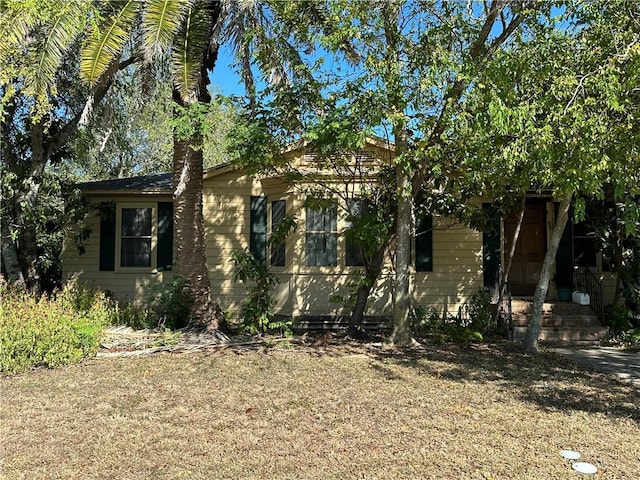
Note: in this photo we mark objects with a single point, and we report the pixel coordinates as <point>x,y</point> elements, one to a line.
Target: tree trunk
<point>372,272</point>
<point>188,168</point>
<point>401,334</point>
<point>512,251</point>
<point>531,339</point>
<point>10,260</point>
<point>191,258</point>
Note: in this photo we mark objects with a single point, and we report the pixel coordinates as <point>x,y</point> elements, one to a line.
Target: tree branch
<point>96,97</point>
<point>477,54</point>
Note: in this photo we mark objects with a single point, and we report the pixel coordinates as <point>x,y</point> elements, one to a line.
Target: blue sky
<point>224,79</point>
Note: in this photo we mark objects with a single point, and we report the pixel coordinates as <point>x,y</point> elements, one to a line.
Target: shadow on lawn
<point>548,380</point>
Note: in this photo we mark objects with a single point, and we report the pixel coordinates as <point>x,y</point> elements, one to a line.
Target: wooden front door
<point>530,248</point>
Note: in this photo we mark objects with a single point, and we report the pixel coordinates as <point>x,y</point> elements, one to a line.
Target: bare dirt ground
<point>320,409</point>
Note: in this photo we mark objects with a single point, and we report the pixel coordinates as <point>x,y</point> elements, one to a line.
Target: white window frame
<point>327,233</point>
<point>153,268</point>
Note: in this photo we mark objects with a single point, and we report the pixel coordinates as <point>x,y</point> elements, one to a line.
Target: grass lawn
<point>333,411</point>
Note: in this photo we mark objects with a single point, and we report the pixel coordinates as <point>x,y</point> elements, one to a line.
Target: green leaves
<point>107,43</point>
<point>52,45</point>
<point>161,21</point>
<point>191,122</point>
<point>35,39</point>
<point>189,50</point>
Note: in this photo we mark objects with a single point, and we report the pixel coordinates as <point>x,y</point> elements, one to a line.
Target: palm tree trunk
<point>188,169</point>
<point>191,257</point>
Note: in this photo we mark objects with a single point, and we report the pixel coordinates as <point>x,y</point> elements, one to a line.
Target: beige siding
<point>608,280</point>
<point>457,268</point>
<point>456,275</point>
<point>226,212</point>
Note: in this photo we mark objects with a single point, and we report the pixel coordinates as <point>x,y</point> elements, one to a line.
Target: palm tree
<point>181,32</point>
<point>188,33</point>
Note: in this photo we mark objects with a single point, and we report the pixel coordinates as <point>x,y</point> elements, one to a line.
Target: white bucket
<point>580,298</point>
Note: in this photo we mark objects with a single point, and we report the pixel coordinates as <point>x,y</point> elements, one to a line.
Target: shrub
<point>49,331</point>
<point>619,318</point>
<point>169,305</point>
<point>137,318</point>
<point>258,314</point>
<point>480,312</point>
<point>473,327</point>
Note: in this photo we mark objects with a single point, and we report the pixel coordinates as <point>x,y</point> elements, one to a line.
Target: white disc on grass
<point>584,467</point>
<point>570,454</point>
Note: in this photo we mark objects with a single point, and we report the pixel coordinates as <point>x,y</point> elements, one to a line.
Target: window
<point>584,245</point>
<point>321,241</point>
<point>139,236</point>
<point>136,236</point>
<point>424,245</point>
<point>278,212</point>
<point>357,209</point>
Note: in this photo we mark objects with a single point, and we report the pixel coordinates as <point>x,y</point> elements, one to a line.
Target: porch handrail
<point>584,280</point>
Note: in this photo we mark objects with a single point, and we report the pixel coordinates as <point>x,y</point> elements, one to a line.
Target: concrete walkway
<point>613,361</point>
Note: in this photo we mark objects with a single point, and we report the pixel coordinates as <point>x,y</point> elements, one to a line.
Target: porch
<point>578,268</point>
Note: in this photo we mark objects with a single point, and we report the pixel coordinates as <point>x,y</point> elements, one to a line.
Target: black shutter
<point>165,235</point>
<point>424,245</point>
<point>491,247</point>
<point>357,208</point>
<point>107,236</point>
<point>258,228</point>
<point>278,212</point>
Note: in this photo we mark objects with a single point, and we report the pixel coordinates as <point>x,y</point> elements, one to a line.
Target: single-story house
<point>131,247</point>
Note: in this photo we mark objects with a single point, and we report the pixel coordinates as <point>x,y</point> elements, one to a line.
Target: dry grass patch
<point>341,412</point>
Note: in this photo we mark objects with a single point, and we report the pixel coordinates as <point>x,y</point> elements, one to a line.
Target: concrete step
<point>564,308</point>
<point>565,335</point>
<point>557,320</point>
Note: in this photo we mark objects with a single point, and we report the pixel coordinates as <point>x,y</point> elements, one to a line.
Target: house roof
<point>160,183</point>
<point>374,140</point>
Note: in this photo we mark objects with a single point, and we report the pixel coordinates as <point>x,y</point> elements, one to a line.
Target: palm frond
<point>56,37</point>
<point>248,29</point>
<point>107,43</point>
<point>161,21</point>
<point>189,48</point>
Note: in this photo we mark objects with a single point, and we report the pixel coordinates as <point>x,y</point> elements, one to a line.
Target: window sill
<point>137,270</point>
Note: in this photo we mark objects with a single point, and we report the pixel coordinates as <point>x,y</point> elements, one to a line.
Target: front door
<point>530,248</point>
